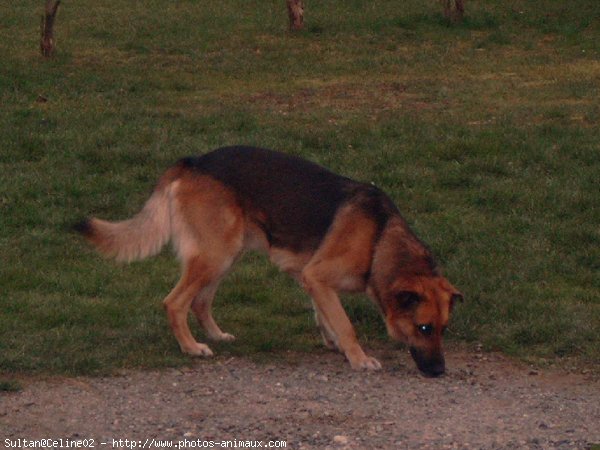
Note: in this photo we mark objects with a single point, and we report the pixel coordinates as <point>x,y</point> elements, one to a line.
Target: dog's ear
<point>407,299</point>
<point>456,296</point>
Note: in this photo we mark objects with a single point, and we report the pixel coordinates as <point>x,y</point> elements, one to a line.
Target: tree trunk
<point>460,9</point>
<point>454,14</point>
<point>296,13</point>
<point>47,40</point>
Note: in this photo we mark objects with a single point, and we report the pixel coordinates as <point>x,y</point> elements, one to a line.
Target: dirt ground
<point>314,401</point>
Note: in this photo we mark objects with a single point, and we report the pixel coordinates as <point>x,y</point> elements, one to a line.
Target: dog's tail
<point>141,236</point>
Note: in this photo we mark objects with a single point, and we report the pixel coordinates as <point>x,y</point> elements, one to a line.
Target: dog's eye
<point>408,299</point>
<point>425,329</point>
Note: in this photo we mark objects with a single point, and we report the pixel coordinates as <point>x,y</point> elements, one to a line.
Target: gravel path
<point>315,402</point>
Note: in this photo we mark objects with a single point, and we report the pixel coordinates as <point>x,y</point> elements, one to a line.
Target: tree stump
<point>296,14</point>
<point>47,28</point>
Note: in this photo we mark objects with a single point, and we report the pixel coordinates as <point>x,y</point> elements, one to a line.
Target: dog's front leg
<point>327,334</point>
<point>331,311</point>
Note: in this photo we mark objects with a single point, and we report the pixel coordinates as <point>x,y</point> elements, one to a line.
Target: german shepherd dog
<point>330,233</point>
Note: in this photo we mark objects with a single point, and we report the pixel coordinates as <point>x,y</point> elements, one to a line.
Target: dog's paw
<point>366,363</point>
<point>198,349</point>
<point>226,337</point>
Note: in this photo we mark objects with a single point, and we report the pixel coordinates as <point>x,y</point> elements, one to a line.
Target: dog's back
<point>292,200</point>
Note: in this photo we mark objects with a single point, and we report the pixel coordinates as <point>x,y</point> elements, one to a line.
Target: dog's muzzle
<point>429,365</point>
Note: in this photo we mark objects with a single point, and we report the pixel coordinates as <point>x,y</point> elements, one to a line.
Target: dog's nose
<point>430,366</point>
<point>435,370</point>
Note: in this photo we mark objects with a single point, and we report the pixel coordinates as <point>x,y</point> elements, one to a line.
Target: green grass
<point>10,386</point>
<point>485,133</point>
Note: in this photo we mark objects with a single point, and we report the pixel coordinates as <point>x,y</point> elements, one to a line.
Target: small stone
<point>340,439</point>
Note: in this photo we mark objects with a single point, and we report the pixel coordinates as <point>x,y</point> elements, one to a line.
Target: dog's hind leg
<point>208,228</point>
<point>196,276</point>
<point>202,306</point>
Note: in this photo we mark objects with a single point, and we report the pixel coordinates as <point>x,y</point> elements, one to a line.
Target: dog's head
<point>416,311</point>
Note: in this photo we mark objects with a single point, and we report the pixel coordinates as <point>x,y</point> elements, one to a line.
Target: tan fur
<point>137,238</point>
<point>144,234</point>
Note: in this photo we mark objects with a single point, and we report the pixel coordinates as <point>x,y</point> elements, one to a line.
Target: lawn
<point>485,133</point>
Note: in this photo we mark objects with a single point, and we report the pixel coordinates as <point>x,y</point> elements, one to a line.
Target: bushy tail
<point>139,237</point>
